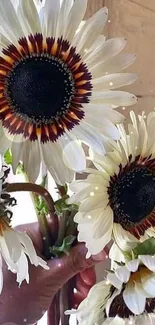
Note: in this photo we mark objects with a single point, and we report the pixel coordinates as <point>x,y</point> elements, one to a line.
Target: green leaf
<point>61,205</point>
<point>20,169</point>
<point>145,248</point>
<point>8,157</point>
<point>64,248</point>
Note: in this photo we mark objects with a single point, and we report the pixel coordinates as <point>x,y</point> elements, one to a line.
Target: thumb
<point>76,262</point>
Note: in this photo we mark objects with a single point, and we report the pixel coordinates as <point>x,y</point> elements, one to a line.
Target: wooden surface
<point>135,20</point>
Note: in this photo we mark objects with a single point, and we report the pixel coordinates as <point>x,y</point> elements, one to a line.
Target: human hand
<point>27,304</point>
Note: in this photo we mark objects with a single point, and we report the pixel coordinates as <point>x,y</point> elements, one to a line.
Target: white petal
<point>81,195</point>
<point>9,21</point>
<point>74,156</point>
<point>52,155</point>
<point>1,275</point>
<point>105,223</point>
<point>116,98</point>
<point>43,263</point>
<point>93,202</point>
<point>51,17</point>
<point>115,64</point>
<point>88,217</point>
<point>98,112</point>
<point>13,244</point>
<point>104,51</point>
<point>75,17</point>
<point>28,17</point>
<point>23,273</point>
<point>134,301</point>
<point>113,81</point>
<point>148,261</point>
<point>31,159</point>
<point>28,247</point>
<point>90,136</point>
<point>123,273</point>
<point>115,254</point>
<point>149,285</point>
<point>63,17</point>
<point>123,238</point>
<point>114,280</point>
<point>106,127</point>
<point>5,141</point>
<point>110,300</point>
<point>95,246</point>
<point>16,150</point>
<point>133,265</point>
<point>90,31</point>
<point>115,321</point>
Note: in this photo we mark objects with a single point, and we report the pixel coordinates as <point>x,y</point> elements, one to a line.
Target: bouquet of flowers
<point>58,117</point>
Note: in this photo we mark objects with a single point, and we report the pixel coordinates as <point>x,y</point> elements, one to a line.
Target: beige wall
<point>135,20</point>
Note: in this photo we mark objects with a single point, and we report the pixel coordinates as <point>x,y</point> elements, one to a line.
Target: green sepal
<point>145,248</point>
<point>8,157</point>
<point>57,251</point>
<point>61,205</point>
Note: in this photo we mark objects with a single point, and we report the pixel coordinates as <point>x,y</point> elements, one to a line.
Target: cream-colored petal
<point>133,265</point>
<point>31,159</point>
<point>13,244</point>
<point>115,64</point>
<point>148,261</point>
<point>134,301</point>
<point>115,98</point>
<point>9,21</point>
<point>123,273</point>
<point>28,17</point>
<point>90,30</point>
<point>114,280</point>
<point>113,81</point>
<point>52,155</point>
<point>123,238</point>
<point>75,17</point>
<point>51,11</point>
<point>105,50</point>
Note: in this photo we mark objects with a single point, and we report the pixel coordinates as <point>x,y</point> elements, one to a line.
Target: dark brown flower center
<point>132,196</point>
<point>119,308</point>
<point>40,88</point>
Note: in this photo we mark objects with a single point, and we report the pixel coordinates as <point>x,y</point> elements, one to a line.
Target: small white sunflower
<point>93,309</point>
<point>16,248</point>
<point>126,297</point>
<point>57,84</point>
<point>118,199</point>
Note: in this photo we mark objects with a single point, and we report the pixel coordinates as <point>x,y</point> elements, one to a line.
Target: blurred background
<point>134,20</point>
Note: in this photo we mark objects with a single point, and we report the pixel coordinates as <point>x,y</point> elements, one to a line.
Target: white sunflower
<point>127,296</point>
<point>16,248</point>
<point>118,199</point>
<point>56,84</point>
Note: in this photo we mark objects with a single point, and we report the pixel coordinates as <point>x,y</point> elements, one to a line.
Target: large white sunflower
<point>16,248</point>
<point>118,199</point>
<point>56,84</point>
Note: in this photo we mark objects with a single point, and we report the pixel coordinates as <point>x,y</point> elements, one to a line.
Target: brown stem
<point>64,304</point>
<point>41,191</point>
<point>53,315</point>
<point>30,187</point>
<point>61,190</point>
